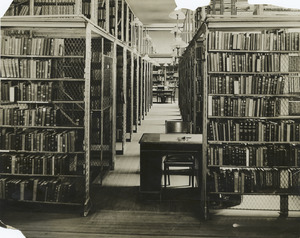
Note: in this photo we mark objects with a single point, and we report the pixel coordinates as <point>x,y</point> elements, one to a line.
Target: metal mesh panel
<point>70,114</point>
<point>107,90</point>
<point>120,130</point>
<point>96,100</point>
<point>108,48</point>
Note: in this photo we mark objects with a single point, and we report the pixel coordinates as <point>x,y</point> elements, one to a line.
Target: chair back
<point>178,127</point>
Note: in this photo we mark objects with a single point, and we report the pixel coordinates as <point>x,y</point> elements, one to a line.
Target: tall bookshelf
<point>56,110</point>
<point>69,82</point>
<point>248,68</point>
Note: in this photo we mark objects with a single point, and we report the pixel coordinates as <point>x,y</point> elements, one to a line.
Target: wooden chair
<point>183,163</point>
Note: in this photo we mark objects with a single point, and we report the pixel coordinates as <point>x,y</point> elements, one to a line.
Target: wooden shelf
<point>45,56</point>
<point>251,73</point>
<point>254,142</point>
<point>40,152</point>
<point>44,79</point>
<point>45,127</point>
<point>258,118</point>
<point>41,175</point>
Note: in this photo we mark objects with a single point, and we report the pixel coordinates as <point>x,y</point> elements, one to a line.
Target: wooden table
<point>153,146</point>
<point>163,95</point>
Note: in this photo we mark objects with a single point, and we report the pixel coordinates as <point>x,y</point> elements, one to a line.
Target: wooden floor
<point>118,210</point>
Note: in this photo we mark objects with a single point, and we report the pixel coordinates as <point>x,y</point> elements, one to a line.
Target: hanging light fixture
<point>177,43</point>
<point>177,14</point>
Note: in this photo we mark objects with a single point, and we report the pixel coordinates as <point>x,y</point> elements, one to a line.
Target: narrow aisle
<point>126,171</point>
<point>120,187</point>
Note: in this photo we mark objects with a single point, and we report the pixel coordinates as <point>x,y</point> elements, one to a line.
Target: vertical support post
<point>31,7</point>
<point>94,11</point>
<point>204,197</point>
<point>233,7</point>
<point>114,105</point>
<point>107,15</point>
<point>116,18</point>
<point>122,20</point>
<point>125,96</point>
<point>222,7</point>
<point>284,205</point>
<point>78,7</point>
<point>87,121</point>
<point>127,24</point>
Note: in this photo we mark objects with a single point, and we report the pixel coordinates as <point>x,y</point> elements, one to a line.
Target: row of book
<point>270,84</point>
<point>35,189</point>
<point>40,116</point>
<point>249,62</point>
<point>86,8</point>
<point>254,130</point>
<point>25,68</point>
<point>26,91</point>
<point>65,141</point>
<point>40,164</point>
<point>248,107</point>
<point>279,40</point>
<point>258,156</point>
<point>17,10</point>
<point>55,9</point>
<point>13,45</point>
<point>254,180</point>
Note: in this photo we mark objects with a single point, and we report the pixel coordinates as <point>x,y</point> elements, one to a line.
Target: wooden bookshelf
<point>82,77</point>
<point>248,79</point>
<point>54,120</point>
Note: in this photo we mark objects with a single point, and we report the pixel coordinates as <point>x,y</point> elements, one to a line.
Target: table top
<point>163,91</point>
<point>172,138</point>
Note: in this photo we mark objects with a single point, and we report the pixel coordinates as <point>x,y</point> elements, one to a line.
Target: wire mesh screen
<point>129,119</point>
<point>96,101</point>
<point>107,103</point>
<point>107,82</point>
<point>120,111</point>
<point>135,94</point>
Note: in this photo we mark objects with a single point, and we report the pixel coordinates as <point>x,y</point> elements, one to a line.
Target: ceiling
<point>154,14</point>
<point>153,11</point>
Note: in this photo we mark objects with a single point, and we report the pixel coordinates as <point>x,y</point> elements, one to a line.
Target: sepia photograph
<point>149,118</point>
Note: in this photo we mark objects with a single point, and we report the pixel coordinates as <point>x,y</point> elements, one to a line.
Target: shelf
<point>40,152</point>
<point>49,102</point>
<point>252,73</point>
<point>253,142</point>
<point>257,118</point>
<point>254,95</point>
<point>44,79</point>
<point>254,51</point>
<point>45,127</point>
<point>41,175</point>
<point>258,193</point>
<point>45,56</point>
<point>46,202</point>
<point>251,167</point>
<point>54,3</point>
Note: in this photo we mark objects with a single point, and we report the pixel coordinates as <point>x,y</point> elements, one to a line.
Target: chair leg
<point>193,177</point>
<point>169,182</point>
<point>165,176</point>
